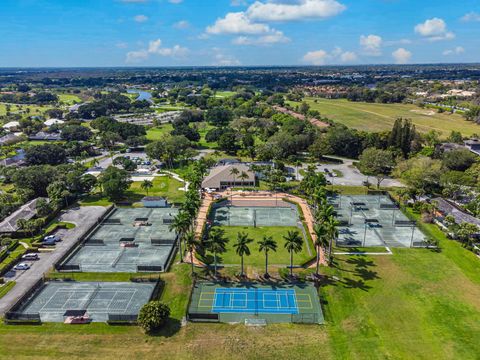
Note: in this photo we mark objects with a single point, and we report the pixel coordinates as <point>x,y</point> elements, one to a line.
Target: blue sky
<point>237,32</point>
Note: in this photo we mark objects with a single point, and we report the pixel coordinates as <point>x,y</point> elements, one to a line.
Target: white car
<point>51,238</point>
<point>30,256</point>
<point>21,266</point>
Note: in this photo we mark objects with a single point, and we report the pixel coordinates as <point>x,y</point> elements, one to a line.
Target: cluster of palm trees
<point>236,173</point>
<point>184,223</point>
<point>325,222</point>
<point>216,243</point>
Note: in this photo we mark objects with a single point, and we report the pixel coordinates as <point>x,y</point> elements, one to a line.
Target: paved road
<point>83,218</point>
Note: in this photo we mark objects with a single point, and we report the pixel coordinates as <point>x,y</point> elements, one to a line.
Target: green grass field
<point>164,186</point>
<point>380,117</point>
<point>156,133</point>
<point>5,288</point>
<point>224,94</point>
<point>26,110</point>
<point>69,99</point>
<point>415,304</point>
<point>257,258</point>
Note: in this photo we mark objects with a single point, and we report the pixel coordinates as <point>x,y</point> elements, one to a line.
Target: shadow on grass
<point>360,262</point>
<point>171,327</point>
<point>355,284</point>
<point>367,274</point>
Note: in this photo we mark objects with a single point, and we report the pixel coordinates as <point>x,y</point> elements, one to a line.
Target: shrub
<point>153,315</point>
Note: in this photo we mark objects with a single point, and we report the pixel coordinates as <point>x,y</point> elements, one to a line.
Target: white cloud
<point>273,38</point>
<point>318,57</point>
<point>471,16</point>
<point>221,59</point>
<point>371,44</point>
<point>121,45</point>
<point>175,1</point>
<point>182,24</point>
<point>238,2</point>
<point>348,57</point>
<point>401,56</point>
<point>237,23</point>
<point>434,29</point>
<point>136,56</point>
<point>155,48</point>
<point>300,10</point>
<point>457,51</point>
<point>322,57</point>
<point>140,18</point>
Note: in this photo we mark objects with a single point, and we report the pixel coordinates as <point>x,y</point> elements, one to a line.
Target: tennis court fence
<point>202,317</point>
<point>19,316</point>
<point>305,318</point>
<point>148,268</point>
<point>160,242</point>
<point>122,318</point>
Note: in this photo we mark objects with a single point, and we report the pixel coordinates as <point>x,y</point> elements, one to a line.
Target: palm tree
<point>321,241</point>
<point>233,171</point>
<point>298,163</point>
<point>180,225</point>
<point>332,233</point>
<point>191,244</point>
<point>243,176</point>
<point>216,243</point>
<point>267,244</point>
<point>293,243</point>
<point>241,247</point>
<point>146,185</point>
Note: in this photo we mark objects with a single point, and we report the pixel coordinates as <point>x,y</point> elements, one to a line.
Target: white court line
<point>51,297</point>
<point>295,302</point>
<point>131,297</point>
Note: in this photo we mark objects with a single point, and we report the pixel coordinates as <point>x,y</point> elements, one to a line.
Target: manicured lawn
<point>257,258</point>
<point>156,133</point>
<point>5,288</point>
<point>224,94</point>
<point>415,304</point>
<point>69,99</point>
<point>162,186</point>
<point>380,117</point>
<point>26,110</point>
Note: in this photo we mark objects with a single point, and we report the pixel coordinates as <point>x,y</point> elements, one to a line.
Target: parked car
<point>50,238</point>
<point>30,256</point>
<point>21,266</point>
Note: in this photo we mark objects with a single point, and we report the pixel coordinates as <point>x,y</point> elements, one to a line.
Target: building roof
<point>153,198</point>
<point>11,124</point>
<point>448,208</point>
<point>8,138</point>
<point>26,211</point>
<point>51,122</point>
<point>41,135</point>
<point>223,174</point>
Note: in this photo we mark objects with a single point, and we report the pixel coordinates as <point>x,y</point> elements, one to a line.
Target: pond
<point>142,95</point>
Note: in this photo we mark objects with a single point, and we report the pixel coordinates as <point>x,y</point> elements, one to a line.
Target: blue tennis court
<point>255,301</point>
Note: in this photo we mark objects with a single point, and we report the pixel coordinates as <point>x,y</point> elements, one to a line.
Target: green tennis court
<point>241,302</point>
<point>254,216</point>
<point>100,300</point>
<point>146,231</point>
<point>374,220</point>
